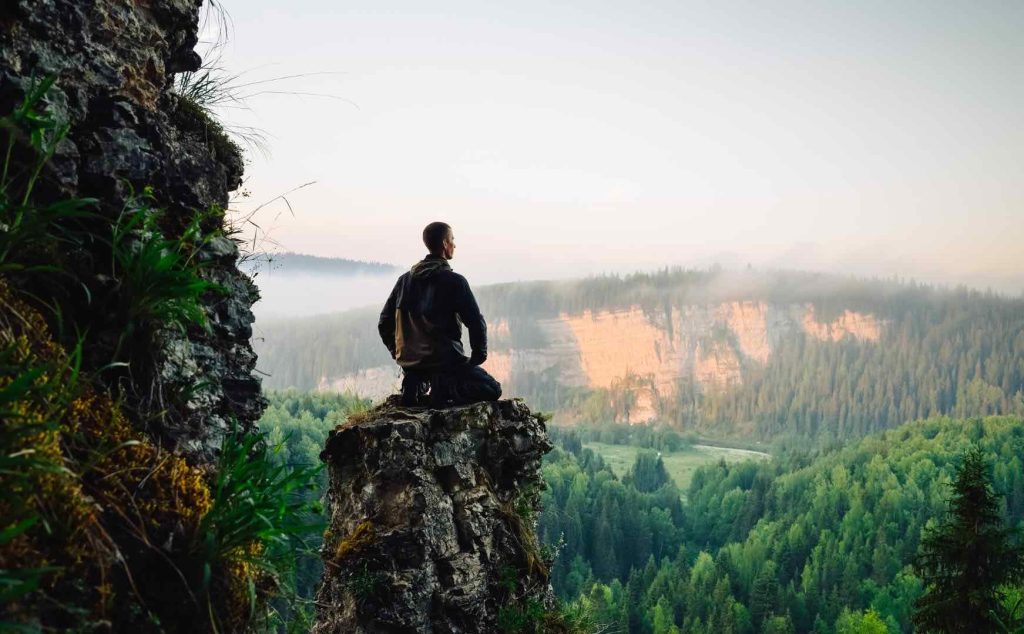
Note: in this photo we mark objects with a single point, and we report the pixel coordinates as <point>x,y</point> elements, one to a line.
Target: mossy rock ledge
<point>432,516</point>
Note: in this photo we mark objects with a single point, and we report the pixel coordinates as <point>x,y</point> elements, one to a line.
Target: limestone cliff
<point>431,520</point>
<point>711,345</point>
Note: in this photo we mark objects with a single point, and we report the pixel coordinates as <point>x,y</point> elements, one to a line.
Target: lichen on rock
<point>431,519</point>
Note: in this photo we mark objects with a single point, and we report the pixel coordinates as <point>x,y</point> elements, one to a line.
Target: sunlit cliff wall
<point>712,345</point>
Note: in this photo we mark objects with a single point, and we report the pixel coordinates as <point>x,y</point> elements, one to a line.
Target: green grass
<point>259,517</point>
<point>679,464</point>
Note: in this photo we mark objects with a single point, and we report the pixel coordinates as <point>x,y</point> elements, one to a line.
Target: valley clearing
<point>679,464</point>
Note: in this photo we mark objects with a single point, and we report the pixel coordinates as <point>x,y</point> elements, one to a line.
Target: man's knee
<point>472,384</point>
<point>489,387</point>
<point>494,388</point>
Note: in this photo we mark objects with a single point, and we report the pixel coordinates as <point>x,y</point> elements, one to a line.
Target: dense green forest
<point>958,354</point>
<point>942,352</point>
<point>806,542</point>
<point>295,353</point>
<point>296,425</point>
<point>802,543</point>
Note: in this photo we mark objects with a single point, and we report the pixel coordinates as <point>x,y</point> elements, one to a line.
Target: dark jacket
<point>421,321</point>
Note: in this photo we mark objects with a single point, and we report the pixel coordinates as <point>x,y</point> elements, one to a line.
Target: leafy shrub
<point>258,519</point>
<point>32,400</point>
<point>30,233</point>
<point>531,617</point>
<point>80,489</point>
<point>158,282</point>
<point>527,617</point>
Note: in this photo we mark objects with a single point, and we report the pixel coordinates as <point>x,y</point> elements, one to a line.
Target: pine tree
<point>604,561</point>
<point>764,595</point>
<point>648,472</point>
<point>662,616</point>
<point>778,625</point>
<point>634,601</point>
<point>966,560</point>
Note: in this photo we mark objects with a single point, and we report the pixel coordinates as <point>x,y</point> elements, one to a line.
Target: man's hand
<point>477,358</point>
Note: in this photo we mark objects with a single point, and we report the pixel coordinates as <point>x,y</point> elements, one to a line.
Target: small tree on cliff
<point>966,560</point>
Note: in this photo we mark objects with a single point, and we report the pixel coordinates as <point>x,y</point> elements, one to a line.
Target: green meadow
<point>679,464</point>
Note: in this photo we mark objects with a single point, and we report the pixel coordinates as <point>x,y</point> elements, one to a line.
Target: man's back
<point>421,321</point>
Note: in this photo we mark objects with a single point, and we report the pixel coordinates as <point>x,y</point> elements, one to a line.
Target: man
<point>420,325</point>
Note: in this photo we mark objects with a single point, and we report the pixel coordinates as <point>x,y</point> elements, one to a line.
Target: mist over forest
<point>741,354</point>
<point>296,285</point>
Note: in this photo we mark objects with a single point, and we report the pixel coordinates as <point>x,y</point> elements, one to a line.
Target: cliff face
<point>712,345</point>
<point>431,520</point>
<point>708,343</point>
<point>113,61</point>
<point>124,326</point>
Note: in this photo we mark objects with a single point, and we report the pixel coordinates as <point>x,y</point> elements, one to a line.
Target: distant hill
<point>748,354</point>
<point>295,285</point>
<point>287,263</point>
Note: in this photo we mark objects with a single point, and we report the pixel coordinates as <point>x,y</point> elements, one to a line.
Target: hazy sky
<point>564,138</point>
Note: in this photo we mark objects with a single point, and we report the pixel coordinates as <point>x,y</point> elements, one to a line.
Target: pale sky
<point>568,138</point>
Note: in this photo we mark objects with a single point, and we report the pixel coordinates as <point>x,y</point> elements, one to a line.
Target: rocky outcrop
<point>860,326</point>
<point>119,286</point>
<point>431,520</point>
<point>113,61</point>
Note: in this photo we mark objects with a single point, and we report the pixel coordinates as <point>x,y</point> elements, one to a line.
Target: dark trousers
<point>459,385</point>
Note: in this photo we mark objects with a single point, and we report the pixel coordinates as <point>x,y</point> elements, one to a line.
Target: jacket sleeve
<point>469,313</point>
<point>386,322</point>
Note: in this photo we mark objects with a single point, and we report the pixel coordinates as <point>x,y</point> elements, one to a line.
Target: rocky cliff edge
<point>432,517</point>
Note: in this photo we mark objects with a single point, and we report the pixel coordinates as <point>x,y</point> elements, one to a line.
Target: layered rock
<point>138,309</point>
<point>431,519</point>
<point>113,62</point>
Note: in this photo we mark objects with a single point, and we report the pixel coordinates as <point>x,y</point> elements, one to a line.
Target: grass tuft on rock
<point>100,525</point>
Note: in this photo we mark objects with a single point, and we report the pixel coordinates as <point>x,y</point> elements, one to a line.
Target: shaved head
<point>435,234</point>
